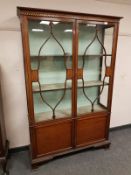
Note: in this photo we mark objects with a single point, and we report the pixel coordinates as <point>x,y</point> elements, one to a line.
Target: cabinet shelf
<point>44,116</point>
<point>87,55</point>
<point>60,86</point>
<point>96,55</point>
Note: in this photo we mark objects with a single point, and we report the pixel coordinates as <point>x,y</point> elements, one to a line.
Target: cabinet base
<point>38,161</point>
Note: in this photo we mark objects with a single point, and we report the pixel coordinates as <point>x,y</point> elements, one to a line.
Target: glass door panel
<point>51,57</point>
<point>94,63</point>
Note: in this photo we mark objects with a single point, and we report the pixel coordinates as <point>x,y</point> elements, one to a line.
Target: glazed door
<point>95,41</point>
<point>51,57</point>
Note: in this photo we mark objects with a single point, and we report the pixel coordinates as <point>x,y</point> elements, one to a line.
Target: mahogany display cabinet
<point>69,61</point>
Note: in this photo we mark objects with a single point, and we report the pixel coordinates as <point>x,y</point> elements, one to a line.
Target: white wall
<point>11,61</point>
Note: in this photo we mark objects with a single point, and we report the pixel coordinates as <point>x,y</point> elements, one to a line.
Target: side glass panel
<point>51,60</point>
<point>94,65</point>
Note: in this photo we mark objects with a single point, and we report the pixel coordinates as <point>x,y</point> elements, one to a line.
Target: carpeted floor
<point>114,161</point>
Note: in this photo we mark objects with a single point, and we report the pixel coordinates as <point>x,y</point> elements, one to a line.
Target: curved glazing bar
<point>96,37</point>
<point>39,62</point>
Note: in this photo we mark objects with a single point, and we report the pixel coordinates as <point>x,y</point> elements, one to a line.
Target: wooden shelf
<point>60,86</point>
<point>87,109</point>
<point>87,55</point>
<point>64,113</point>
<point>97,55</point>
<point>44,116</point>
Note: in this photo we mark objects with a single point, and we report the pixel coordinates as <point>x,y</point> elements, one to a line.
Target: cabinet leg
<point>4,160</point>
<point>4,167</point>
<point>35,166</point>
<point>106,147</point>
<point>6,173</point>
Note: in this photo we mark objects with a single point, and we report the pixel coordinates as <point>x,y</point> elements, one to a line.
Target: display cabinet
<point>69,63</point>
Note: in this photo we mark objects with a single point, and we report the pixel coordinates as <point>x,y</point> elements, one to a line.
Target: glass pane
<point>94,58</point>
<point>51,55</point>
<point>84,105</point>
<point>108,39</point>
<point>43,112</point>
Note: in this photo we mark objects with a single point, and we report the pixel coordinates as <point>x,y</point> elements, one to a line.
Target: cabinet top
<point>25,11</point>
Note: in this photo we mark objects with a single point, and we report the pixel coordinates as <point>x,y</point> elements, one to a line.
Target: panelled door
<point>51,56</point>
<point>94,75</point>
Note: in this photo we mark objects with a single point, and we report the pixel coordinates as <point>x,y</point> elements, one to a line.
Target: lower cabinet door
<point>58,136</point>
<point>52,137</point>
<point>91,130</point>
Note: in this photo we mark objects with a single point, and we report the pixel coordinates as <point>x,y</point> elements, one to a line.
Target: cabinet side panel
<point>27,68</point>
